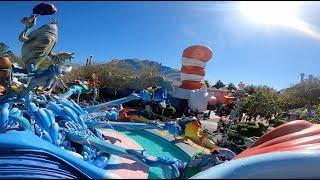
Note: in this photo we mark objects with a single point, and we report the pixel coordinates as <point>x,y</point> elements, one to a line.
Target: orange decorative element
<point>2,90</point>
<point>91,84</point>
<point>5,67</point>
<point>193,70</point>
<point>191,85</point>
<point>123,115</point>
<point>197,123</point>
<point>5,63</point>
<point>228,100</point>
<point>293,136</point>
<point>220,95</point>
<point>200,52</point>
<point>290,127</point>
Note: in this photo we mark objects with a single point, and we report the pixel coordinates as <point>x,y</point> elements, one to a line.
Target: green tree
<point>301,94</point>
<point>207,83</point>
<point>250,89</point>
<point>5,51</point>
<point>231,87</point>
<point>169,111</point>
<point>149,70</point>
<point>259,103</point>
<point>219,84</point>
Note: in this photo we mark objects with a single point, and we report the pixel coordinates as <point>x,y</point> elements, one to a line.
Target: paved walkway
<point>211,123</point>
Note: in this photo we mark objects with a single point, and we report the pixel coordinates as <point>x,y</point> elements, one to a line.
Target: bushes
<point>169,111</point>
<point>119,77</point>
<point>251,123</point>
<point>250,129</point>
<point>277,122</point>
<point>262,127</point>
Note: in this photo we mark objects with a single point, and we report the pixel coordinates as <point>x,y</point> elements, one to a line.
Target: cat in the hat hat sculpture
<point>192,87</point>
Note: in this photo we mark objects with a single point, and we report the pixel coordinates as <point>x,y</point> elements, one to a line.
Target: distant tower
<point>89,61</point>
<point>302,77</point>
<point>241,86</point>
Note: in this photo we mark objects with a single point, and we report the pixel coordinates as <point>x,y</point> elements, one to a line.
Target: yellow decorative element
<point>304,112</point>
<point>152,89</point>
<point>164,133</point>
<point>192,132</point>
<point>16,87</point>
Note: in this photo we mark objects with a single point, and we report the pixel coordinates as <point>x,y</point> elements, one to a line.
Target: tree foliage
<point>219,84</point>
<point>260,103</point>
<point>5,51</point>
<point>231,87</point>
<point>151,71</point>
<point>277,122</point>
<point>250,129</point>
<point>116,76</point>
<point>301,94</point>
<point>207,83</point>
<point>250,89</point>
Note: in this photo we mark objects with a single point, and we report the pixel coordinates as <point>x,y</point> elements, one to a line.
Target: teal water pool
<point>156,146</point>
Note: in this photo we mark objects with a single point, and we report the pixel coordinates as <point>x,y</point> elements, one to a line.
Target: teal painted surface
<point>156,146</point>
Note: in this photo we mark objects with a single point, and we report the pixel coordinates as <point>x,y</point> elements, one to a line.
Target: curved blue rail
<point>117,102</point>
<point>283,165</point>
<point>27,140</point>
<point>30,163</point>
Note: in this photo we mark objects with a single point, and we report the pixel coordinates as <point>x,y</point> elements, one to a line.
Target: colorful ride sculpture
<point>37,46</point>
<point>192,130</point>
<point>289,151</point>
<point>123,114</point>
<point>83,87</point>
<point>189,128</point>
<point>192,87</point>
<point>34,124</point>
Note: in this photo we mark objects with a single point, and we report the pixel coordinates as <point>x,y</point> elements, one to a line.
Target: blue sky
<point>160,31</point>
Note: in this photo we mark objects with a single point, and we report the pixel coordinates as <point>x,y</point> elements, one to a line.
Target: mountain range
<point>138,66</point>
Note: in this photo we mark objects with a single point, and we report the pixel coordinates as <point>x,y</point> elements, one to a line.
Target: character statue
<point>192,88</point>
<point>44,79</point>
<point>37,45</point>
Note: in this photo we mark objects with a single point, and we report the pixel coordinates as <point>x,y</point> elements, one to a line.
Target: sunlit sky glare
<point>269,44</point>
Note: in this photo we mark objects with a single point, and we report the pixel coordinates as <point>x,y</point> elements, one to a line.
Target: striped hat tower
<point>194,60</point>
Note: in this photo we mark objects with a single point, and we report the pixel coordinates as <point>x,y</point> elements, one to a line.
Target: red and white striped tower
<point>192,87</point>
<point>194,60</point>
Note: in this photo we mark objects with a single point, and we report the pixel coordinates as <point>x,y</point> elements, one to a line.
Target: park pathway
<point>211,123</point>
